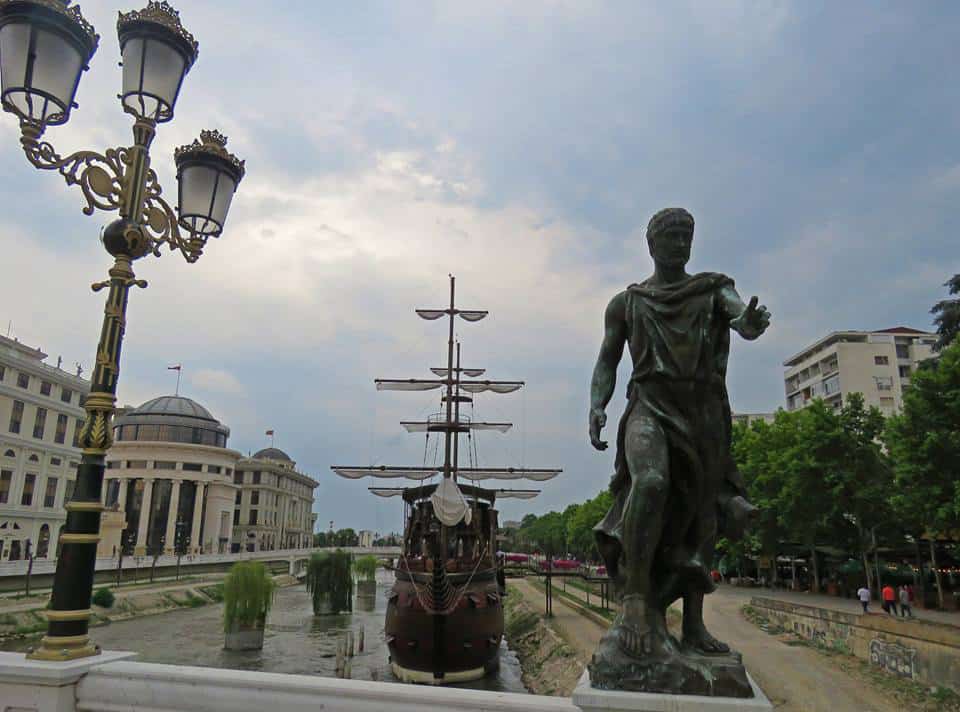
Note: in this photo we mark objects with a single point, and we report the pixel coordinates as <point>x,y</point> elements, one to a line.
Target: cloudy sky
<point>521,147</point>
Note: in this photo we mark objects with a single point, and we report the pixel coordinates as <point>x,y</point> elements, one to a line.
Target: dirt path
<point>795,678</point>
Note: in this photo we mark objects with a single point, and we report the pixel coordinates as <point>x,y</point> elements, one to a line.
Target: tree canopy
<point>947,315</point>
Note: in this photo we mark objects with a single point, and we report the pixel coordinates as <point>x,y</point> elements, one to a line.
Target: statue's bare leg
<point>695,634</point>
<point>641,627</point>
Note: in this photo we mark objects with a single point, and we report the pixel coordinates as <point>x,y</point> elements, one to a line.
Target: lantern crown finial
<point>211,142</point>
<point>71,12</point>
<point>159,12</point>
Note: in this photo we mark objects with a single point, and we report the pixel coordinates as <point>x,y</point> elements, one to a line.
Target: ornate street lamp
<point>45,46</point>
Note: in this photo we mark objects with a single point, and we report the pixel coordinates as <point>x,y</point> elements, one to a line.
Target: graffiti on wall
<point>894,658</point>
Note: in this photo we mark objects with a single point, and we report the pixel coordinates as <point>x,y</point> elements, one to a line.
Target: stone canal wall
<point>918,650</point>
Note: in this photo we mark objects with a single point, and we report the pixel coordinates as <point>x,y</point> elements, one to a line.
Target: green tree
<point>924,442</point>
<point>947,315</point>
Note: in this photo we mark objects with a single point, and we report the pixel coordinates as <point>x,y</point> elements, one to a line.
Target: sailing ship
<point>444,620</point>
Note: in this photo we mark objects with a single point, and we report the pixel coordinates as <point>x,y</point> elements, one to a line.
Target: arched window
<point>9,453</point>
<point>33,458</point>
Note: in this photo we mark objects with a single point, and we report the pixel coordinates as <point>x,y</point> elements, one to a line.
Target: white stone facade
<point>274,503</point>
<point>169,464</point>
<point>40,412</point>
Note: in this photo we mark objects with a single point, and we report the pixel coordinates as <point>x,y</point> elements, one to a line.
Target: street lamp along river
<point>45,46</point>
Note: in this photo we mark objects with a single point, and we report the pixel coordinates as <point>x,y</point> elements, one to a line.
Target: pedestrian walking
<point>905,609</point>
<point>889,597</point>
<point>863,593</point>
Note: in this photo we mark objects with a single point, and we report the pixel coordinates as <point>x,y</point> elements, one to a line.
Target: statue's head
<point>669,236</point>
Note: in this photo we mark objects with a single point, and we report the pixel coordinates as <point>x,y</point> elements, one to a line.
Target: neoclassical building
<point>40,413</point>
<point>169,463</point>
<point>273,505</point>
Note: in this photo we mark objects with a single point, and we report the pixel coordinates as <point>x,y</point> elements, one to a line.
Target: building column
<point>195,542</point>
<point>172,511</point>
<point>143,527</point>
<point>122,497</point>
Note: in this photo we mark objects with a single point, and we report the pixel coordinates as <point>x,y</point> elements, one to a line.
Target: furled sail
<point>410,384</point>
<point>431,314</point>
<point>472,372</point>
<point>424,426</point>
<point>507,473</point>
<point>492,386</point>
<point>410,473</point>
<point>387,491</point>
<point>516,494</point>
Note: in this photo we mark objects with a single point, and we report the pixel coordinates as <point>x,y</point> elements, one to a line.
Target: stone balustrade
<point>111,683</point>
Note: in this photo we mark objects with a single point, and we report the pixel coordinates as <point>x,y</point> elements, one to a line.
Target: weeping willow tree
<point>247,595</point>
<point>330,582</point>
<point>365,567</point>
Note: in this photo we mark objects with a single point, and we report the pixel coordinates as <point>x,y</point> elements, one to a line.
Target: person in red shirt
<point>889,600</point>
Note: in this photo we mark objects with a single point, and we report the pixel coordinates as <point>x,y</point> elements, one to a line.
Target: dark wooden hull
<point>434,646</point>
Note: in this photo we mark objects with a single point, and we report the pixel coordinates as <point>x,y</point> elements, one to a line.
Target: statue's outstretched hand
<point>598,418</point>
<point>754,320</point>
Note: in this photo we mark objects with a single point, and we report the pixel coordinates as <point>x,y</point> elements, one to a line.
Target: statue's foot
<point>641,631</point>
<point>700,640</point>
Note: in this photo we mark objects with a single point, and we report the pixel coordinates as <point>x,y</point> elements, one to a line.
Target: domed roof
<point>272,453</point>
<point>175,406</point>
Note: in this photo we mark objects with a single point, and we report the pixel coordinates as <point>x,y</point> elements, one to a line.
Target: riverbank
<point>550,666</point>
<point>22,620</point>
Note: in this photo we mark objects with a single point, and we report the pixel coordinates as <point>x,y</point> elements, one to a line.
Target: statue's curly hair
<point>669,219</point>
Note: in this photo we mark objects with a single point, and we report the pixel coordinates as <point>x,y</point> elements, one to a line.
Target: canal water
<point>296,641</point>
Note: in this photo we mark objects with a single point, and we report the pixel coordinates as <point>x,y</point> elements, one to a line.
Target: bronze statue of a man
<point>675,485</point>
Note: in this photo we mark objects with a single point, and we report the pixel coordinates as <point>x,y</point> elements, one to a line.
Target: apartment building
<point>877,364</point>
<point>41,413</point>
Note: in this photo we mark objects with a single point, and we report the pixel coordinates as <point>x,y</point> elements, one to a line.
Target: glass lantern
<point>208,176</point>
<point>157,53</point>
<point>45,46</point>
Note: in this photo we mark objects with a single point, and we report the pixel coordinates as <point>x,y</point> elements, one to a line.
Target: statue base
<point>681,674</point>
<point>592,699</point>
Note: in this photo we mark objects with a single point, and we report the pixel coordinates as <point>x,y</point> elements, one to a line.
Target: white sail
<point>424,426</point>
<point>412,384</point>
<point>516,494</point>
<point>449,504</point>
<point>387,491</point>
<point>507,473</point>
<point>410,473</point>
<point>471,372</point>
<point>492,386</point>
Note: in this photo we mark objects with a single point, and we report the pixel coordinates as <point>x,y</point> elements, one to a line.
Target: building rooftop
<point>175,406</point>
<point>272,453</point>
<point>840,335</point>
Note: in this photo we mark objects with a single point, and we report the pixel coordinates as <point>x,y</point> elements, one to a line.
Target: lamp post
<point>45,46</point>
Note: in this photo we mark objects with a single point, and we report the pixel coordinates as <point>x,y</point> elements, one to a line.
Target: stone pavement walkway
<point>795,678</point>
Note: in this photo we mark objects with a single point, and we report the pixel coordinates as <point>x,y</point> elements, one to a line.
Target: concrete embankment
<point>28,622</point>
<point>915,650</point>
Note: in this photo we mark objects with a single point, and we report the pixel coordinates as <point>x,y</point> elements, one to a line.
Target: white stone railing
<point>117,685</point>
<point>48,566</point>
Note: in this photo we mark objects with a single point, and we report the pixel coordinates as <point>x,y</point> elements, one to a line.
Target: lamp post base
<point>62,648</point>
